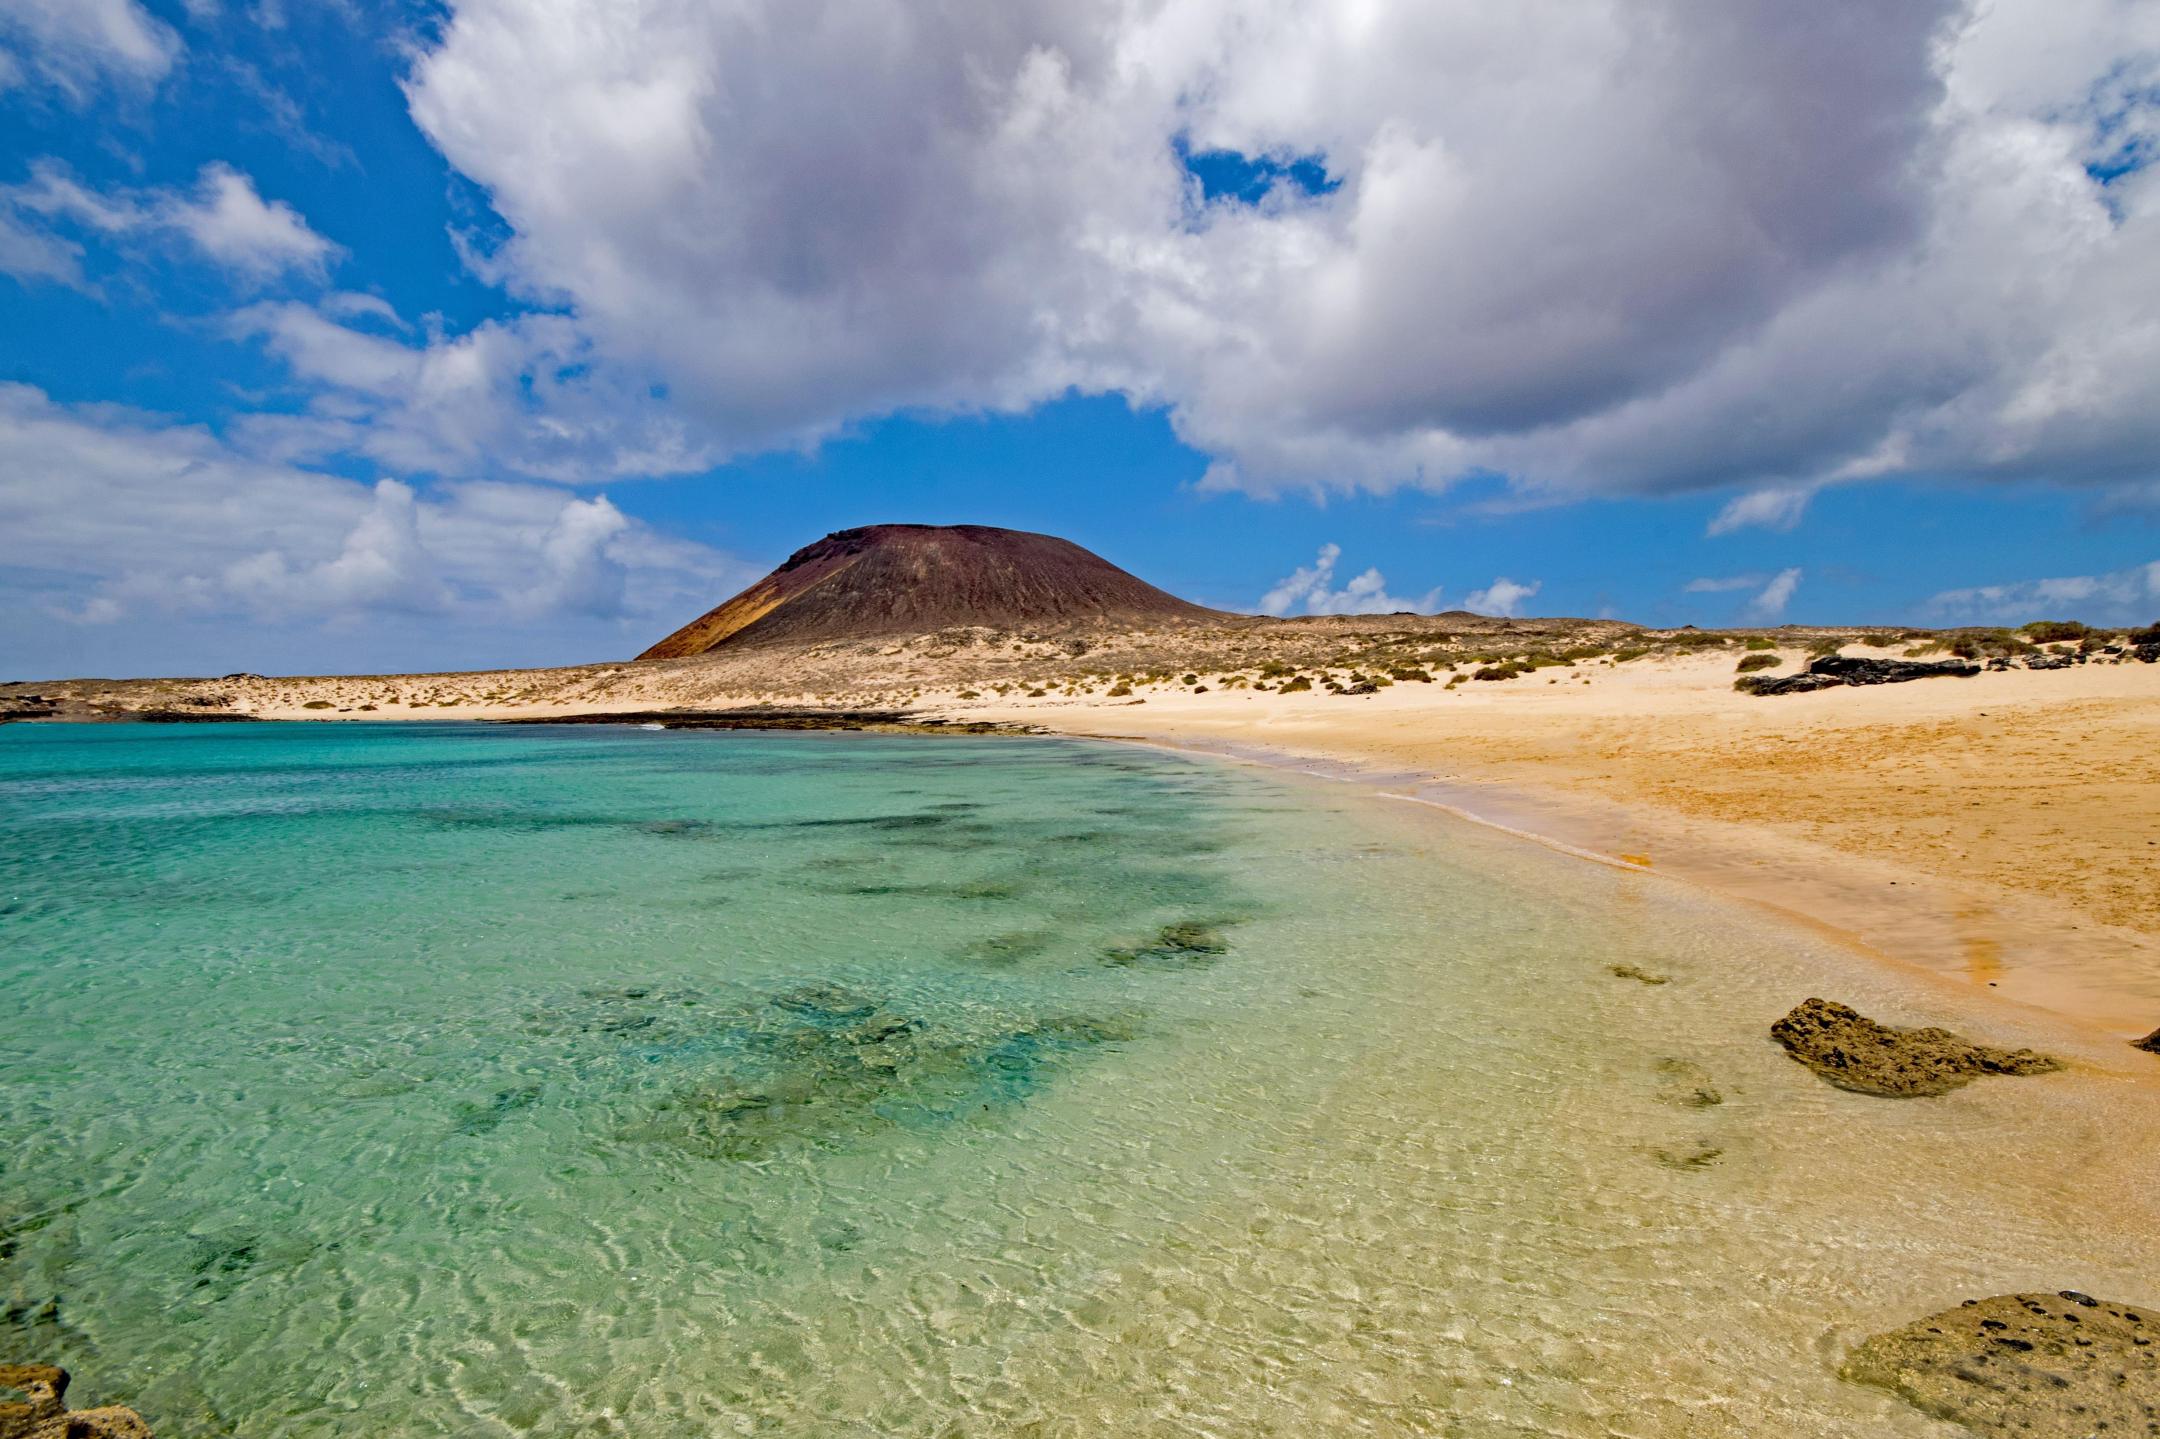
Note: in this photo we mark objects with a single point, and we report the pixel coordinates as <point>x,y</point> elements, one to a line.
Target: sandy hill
<point>914,579</point>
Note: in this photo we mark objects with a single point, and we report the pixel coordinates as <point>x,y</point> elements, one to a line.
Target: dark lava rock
<point>1854,1052</point>
<point>2148,653</point>
<point>2050,662</point>
<point>2150,1043</point>
<point>2037,1366</point>
<point>41,1414</point>
<point>1830,671</point>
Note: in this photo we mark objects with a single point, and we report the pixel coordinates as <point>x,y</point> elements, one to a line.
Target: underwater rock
<point>1185,944</point>
<point>42,1414</point>
<point>1688,1157</point>
<point>2036,1366</point>
<point>1641,976</point>
<point>822,1066</point>
<point>1686,1084</point>
<point>1854,1052</point>
<point>2150,1043</point>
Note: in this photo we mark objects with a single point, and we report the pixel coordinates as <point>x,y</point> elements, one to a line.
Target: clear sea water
<point>445,1080</point>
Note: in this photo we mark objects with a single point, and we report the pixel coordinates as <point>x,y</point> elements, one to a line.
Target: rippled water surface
<point>427,1080</point>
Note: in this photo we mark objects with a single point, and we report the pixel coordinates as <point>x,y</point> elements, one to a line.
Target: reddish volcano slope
<point>912,579</point>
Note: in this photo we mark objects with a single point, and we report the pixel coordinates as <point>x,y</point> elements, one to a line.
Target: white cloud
<point>223,219</point>
<point>520,396</point>
<point>233,225</point>
<point>1776,508</point>
<point>74,45</point>
<point>1309,590</point>
<point>28,254</point>
<point>1718,585</point>
<point>117,514</point>
<point>2130,596</point>
<point>1502,597</point>
<point>1776,595</point>
<point>1925,277</point>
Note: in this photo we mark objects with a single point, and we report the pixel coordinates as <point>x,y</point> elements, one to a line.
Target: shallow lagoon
<point>449,1080</point>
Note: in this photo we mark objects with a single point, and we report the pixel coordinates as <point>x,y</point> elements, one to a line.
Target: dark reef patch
<point>823,1066</point>
<point>1184,944</point>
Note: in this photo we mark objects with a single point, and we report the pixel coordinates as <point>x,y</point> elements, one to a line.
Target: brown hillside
<point>913,579</point>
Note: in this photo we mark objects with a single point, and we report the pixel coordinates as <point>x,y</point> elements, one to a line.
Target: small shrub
<point>1188,679</point>
<point>318,705</point>
<point>1295,683</point>
<point>1751,663</point>
<point>2150,635</point>
<point>1417,675</point>
<point>969,695</point>
<point>1750,684</point>
<point>1632,652</point>
<point>1120,690</point>
<point>2048,632</point>
<point>1276,669</point>
<point>1505,671</point>
<point>1760,642</point>
<point>1878,640</point>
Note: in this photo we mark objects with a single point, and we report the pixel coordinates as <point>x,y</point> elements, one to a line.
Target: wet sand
<point>1996,833</point>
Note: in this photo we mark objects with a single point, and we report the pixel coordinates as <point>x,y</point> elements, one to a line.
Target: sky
<point>351,335</point>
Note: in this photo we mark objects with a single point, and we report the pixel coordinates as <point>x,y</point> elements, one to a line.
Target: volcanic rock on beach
<point>1854,1052</point>
<point>41,1414</point>
<point>1829,671</point>
<point>915,579</point>
<point>2037,1366</point>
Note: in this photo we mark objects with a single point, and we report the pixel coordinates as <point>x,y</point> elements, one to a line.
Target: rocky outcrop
<point>41,1413</point>
<point>2036,1366</point>
<point>1854,1052</point>
<point>2150,1043</point>
<point>1830,671</point>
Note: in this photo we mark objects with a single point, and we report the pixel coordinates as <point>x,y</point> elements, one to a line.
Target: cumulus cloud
<point>223,218</point>
<point>1502,597</point>
<point>1776,595</point>
<point>1721,584</point>
<point>1309,589</point>
<point>73,46</point>
<point>108,514</point>
<point>2130,596</point>
<point>1776,508</point>
<point>522,395</point>
<point>1944,265</point>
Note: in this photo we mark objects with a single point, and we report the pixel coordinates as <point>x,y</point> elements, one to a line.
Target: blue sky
<point>343,336</point>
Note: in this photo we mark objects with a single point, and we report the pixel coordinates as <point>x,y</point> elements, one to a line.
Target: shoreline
<point>1848,930</point>
<point>1994,834</point>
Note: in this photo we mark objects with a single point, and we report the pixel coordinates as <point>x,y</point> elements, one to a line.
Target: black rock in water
<point>1830,671</point>
<point>2150,1043</point>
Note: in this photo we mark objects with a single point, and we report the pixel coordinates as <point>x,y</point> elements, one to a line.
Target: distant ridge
<point>913,579</point>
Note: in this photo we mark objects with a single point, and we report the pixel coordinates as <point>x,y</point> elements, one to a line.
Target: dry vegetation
<point>1348,655</point>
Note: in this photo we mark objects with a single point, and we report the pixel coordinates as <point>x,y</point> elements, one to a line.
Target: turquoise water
<point>453,1080</point>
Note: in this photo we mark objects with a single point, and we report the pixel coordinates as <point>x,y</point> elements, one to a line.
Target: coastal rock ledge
<point>1854,1052</point>
<point>40,1413</point>
<point>2036,1366</point>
